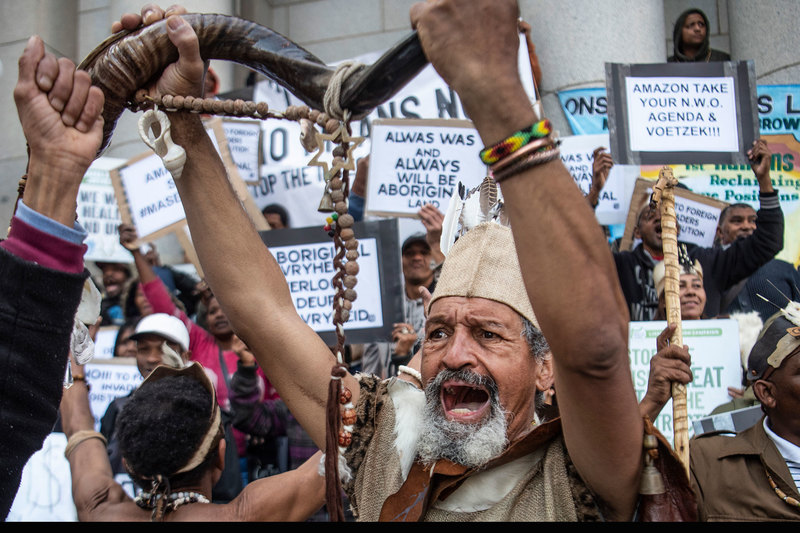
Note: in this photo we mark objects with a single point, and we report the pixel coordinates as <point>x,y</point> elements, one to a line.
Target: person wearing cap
<point>171,440</point>
<point>753,475</point>
<point>160,339</point>
<point>469,446</point>
<point>383,358</point>
<point>210,333</point>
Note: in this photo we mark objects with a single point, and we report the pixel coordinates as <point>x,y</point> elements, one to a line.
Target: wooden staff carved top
<point>663,197</point>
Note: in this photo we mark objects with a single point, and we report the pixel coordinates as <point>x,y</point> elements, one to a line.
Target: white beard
<point>471,445</point>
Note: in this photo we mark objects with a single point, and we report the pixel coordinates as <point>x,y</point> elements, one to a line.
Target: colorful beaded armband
<point>494,153</point>
<point>537,158</point>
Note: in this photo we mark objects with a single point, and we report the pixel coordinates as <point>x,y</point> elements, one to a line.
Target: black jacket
<point>37,310</point>
<point>721,268</point>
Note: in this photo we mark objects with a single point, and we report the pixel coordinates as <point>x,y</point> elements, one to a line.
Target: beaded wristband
<point>82,436</point>
<point>516,141</point>
<point>533,146</point>
<point>537,158</point>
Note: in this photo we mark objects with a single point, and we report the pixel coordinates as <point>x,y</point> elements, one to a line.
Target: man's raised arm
<point>566,264</point>
<point>239,268</point>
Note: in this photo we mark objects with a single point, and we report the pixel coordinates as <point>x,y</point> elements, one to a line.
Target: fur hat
<point>779,339</point>
<point>750,325</point>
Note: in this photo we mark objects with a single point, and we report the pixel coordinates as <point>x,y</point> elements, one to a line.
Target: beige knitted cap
<point>483,264</point>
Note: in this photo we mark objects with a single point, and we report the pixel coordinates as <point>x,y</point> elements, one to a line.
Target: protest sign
<point>45,493</point>
<point>577,154</point>
<point>285,177</point>
<point>305,255</point>
<point>779,110</point>
<point>104,341</point>
<point>738,184</point>
<point>109,379</point>
<point>298,189</point>
<point>244,144</point>
<point>697,214</point>
<point>716,364</point>
<point>585,109</point>
<point>779,122</point>
<point>416,161</point>
<point>147,197</point>
<point>681,113</point>
<point>218,133</point>
<point>99,214</point>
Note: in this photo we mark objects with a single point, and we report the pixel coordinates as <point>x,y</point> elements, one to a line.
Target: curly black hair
<point>160,428</point>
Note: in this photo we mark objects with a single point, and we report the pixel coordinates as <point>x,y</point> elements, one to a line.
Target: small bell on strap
<point>651,481</point>
<point>326,203</point>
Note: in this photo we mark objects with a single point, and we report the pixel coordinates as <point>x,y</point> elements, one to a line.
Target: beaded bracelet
<point>537,158</point>
<point>81,377</point>
<point>516,141</point>
<point>533,146</point>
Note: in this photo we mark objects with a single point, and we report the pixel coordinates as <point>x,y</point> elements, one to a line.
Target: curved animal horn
<point>127,61</point>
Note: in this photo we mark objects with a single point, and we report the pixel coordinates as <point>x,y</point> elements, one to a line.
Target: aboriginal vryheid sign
<point>420,161</point>
<point>305,256</point>
<point>681,113</point>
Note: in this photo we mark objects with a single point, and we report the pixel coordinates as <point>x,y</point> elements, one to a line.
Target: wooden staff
<point>664,197</point>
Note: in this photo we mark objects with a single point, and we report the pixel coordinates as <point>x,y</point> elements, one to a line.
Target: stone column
<point>126,142</point>
<point>766,32</point>
<point>575,39</point>
<point>55,22</point>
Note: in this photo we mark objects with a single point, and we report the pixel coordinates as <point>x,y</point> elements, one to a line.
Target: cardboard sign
<point>697,214</point>
<point>577,154</point>
<point>110,378</point>
<point>147,197</point>
<point>680,113</point>
<point>99,214</point>
<point>288,181</point>
<point>417,162</point>
<point>716,364</point>
<point>306,255</point>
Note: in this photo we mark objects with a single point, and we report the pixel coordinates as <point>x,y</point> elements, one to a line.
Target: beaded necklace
<point>782,495</point>
<point>148,500</point>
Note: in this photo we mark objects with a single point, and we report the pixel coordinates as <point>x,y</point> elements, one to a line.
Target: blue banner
<point>778,110</point>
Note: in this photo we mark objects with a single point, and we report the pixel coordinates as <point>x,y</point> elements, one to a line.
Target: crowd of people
<point>495,399</point>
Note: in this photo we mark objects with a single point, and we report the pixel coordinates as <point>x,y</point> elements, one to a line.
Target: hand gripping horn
<point>129,60</point>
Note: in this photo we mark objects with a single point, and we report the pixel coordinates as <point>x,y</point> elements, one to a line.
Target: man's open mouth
<point>463,401</point>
